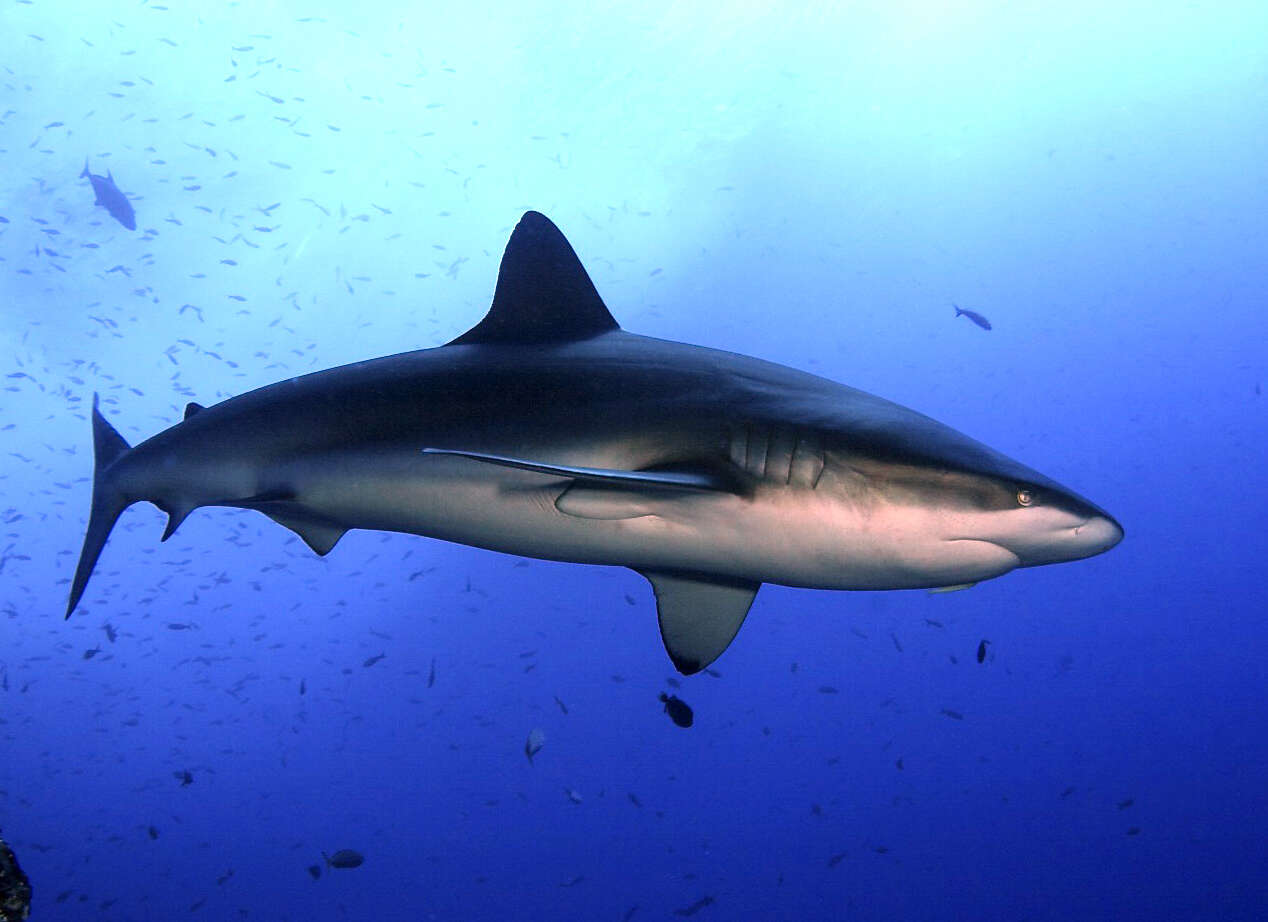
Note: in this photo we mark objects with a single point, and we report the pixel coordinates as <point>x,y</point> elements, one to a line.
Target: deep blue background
<point>812,189</point>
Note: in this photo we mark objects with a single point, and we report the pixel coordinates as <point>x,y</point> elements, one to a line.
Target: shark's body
<point>549,432</point>
<point>110,197</point>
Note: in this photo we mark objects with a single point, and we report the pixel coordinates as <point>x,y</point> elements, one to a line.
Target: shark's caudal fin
<point>107,502</point>
<point>543,293</point>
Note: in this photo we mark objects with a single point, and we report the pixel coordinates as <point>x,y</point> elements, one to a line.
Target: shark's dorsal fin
<point>699,615</point>
<point>191,408</point>
<point>543,293</point>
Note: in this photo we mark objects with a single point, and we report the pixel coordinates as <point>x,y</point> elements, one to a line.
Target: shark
<point>547,431</point>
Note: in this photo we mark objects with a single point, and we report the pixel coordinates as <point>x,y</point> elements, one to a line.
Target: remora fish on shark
<point>547,431</point>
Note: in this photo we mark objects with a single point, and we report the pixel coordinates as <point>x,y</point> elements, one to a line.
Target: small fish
<point>574,795</point>
<point>972,315</point>
<point>958,587</point>
<point>303,686</point>
<point>954,715</point>
<point>563,707</point>
<point>185,778</point>
<point>344,858</point>
<point>111,633</point>
<point>373,659</point>
<point>314,871</point>
<point>110,198</point>
<point>431,676</point>
<point>678,710</point>
<point>981,651</point>
<point>152,832</point>
<point>89,654</point>
<point>533,745</point>
<point>694,907</point>
<point>1124,804</point>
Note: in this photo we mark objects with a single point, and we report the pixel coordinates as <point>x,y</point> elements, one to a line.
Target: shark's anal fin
<point>699,615</point>
<point>656,479</point>
<point>176,514</point>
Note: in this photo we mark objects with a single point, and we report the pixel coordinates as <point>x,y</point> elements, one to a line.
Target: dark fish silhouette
<point>678,710</point>
<point>344,858</point>
<point>972,315</point>
<point>110,198</point>
<point>981,651</point>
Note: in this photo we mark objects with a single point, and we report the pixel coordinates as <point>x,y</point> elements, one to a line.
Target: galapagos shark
<point>547,431</point>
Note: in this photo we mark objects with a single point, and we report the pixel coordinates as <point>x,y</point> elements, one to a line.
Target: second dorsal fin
<point>543,293</point>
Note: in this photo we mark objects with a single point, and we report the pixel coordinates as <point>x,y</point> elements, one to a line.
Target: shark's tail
<point>958,312</point>
<point>108,502</point>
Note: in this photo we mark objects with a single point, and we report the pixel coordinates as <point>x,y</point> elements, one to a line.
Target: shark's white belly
<point>787,534</point>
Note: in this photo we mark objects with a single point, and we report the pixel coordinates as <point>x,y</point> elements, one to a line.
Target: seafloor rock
<point>15,889</point>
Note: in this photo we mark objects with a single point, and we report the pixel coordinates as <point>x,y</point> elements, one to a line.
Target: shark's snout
<point>1082,536</point>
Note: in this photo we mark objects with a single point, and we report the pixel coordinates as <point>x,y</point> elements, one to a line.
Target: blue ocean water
<point>318,183</point>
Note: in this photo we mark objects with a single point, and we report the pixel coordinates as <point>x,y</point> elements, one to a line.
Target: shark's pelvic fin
<point>108,502</point>
<point>661,479</point>
<point>321,537</point>
<point>699,616</point>
<point>543,293</point>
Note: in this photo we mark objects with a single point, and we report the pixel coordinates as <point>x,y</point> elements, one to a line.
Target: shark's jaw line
<point>548,431</point>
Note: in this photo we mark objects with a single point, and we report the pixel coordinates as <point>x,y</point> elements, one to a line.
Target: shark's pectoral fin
<point>699,615</point>
<point>320,536</point>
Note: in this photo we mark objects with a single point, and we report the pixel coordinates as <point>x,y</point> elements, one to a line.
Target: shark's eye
<point>1025,497</point>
